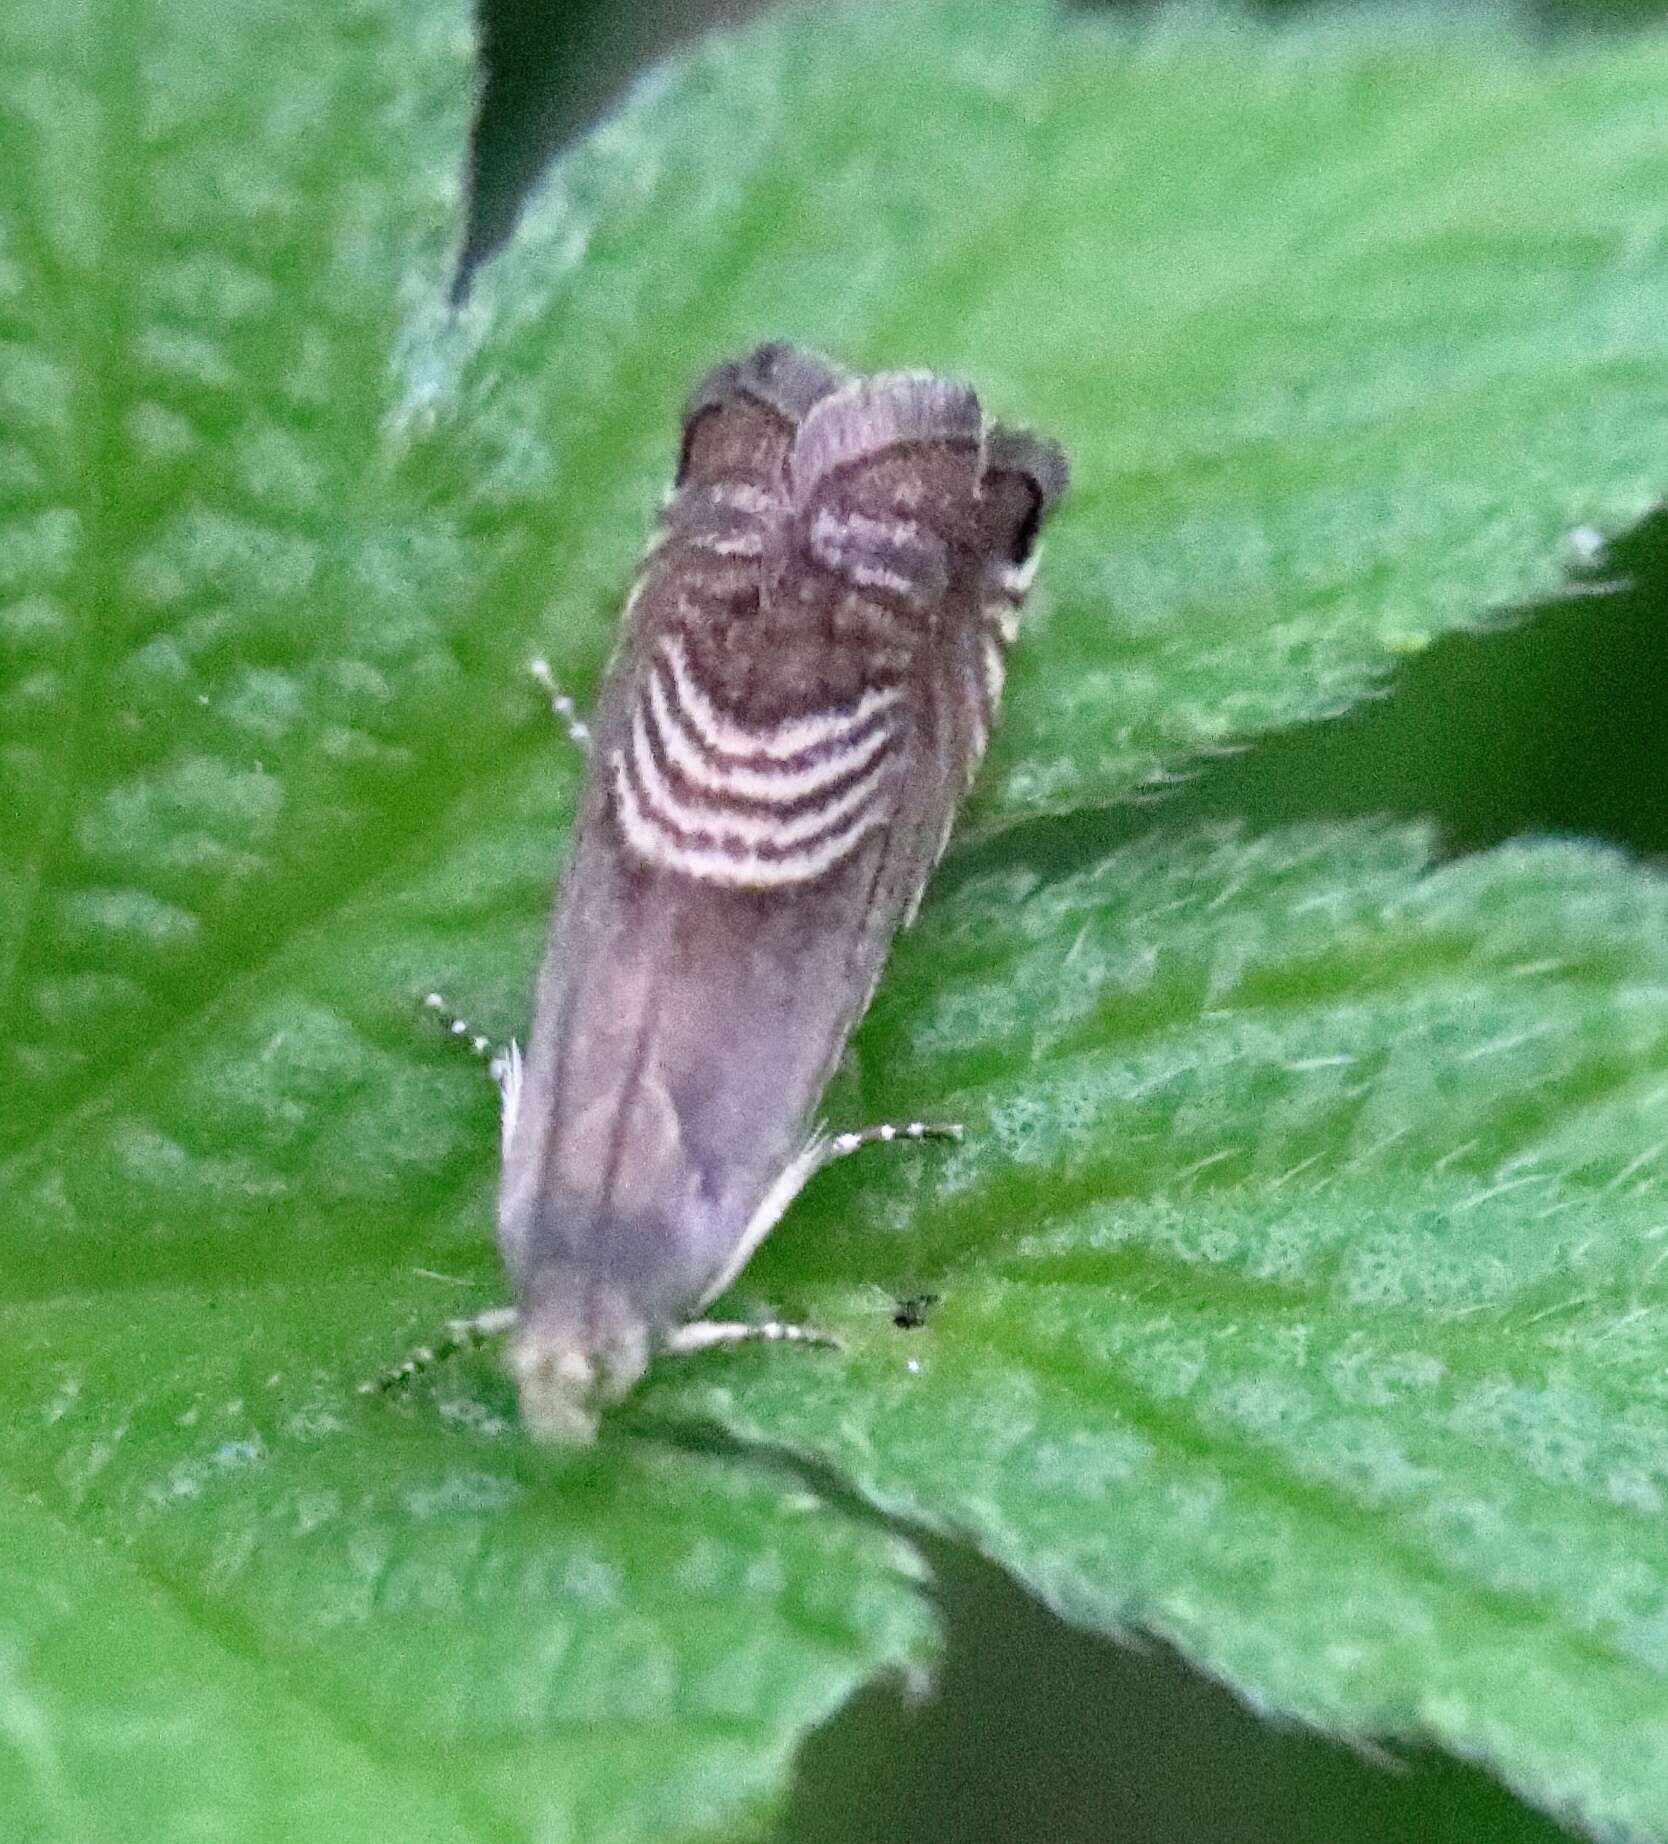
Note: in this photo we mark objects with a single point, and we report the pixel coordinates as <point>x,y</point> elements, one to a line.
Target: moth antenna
<point>503,1061</point>
<point>708,1334</point>
<point>459,1335</point>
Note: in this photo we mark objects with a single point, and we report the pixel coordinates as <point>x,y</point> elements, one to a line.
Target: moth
<point>809,665</point>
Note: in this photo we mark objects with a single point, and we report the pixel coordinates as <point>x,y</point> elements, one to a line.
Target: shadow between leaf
<point>1040,1731</point>
<point>1035,1731</point>
<point>1550,720</point>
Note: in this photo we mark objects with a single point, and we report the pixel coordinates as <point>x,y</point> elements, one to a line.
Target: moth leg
<point>704,1334</point>
<point>475,1042</point>
<point>459,1335</point>
<point>842,1145</point>
<point>562,707</point>
<point>503,1061</point>
<point>820,1149</point>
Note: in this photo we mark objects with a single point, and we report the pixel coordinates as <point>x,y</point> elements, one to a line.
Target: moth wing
<point>633,1121</point>
<point>779,753</point>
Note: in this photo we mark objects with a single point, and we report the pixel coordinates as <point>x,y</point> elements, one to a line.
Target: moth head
<point>887,446</point>
<point>1024,477</point>
<point>741,417</point>
<point>576,1348</point>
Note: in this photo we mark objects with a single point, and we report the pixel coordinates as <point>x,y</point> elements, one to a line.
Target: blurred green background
<point>1553,723</point>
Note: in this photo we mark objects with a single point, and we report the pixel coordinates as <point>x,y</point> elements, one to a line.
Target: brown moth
<point>808,669</point>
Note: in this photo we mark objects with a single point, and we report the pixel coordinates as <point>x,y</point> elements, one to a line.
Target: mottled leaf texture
<point>412,1628</point>
<point>1299,1286</point>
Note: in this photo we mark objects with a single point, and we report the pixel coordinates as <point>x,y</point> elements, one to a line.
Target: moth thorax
<point>577,1346</point>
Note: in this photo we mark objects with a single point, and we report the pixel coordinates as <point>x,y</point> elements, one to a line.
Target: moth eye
<point>1013,515</point>
<point>1024,540</point>
<point>692,428</point>
<point>1024,477</point>
<point>741,416</point>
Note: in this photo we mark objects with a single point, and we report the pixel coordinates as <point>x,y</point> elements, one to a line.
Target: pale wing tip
<point>559,1389</point>
<point>578,1344</point>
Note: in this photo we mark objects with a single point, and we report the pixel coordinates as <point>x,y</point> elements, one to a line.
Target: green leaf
<point>393,1623</point>
<point>1301,1282</point>
<point>220,650</point>
<point>276,536</point>
<point>121,1718</point>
